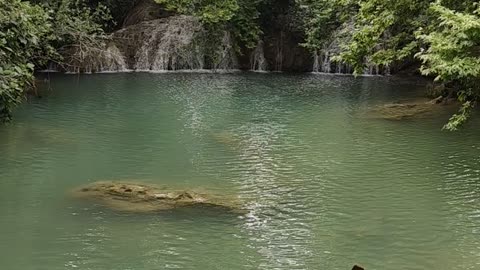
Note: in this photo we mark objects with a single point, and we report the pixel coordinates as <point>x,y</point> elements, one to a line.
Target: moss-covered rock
<point>140,197</point>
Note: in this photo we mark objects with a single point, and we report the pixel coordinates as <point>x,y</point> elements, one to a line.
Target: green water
<point>326,185</point>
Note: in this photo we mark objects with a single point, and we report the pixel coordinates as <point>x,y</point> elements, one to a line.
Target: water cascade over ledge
<point>257,58</point>
<point>324,61</point>
<point>174,43</point>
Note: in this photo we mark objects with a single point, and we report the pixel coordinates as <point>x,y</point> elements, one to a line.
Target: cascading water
<point>171,45</point>
<point>279,53</point>
<point>316,63</point>
<point>227,59</point>
<point>176,43</point>
<point>257,58</point>
<point>112,60</point>
<point>325,63</point>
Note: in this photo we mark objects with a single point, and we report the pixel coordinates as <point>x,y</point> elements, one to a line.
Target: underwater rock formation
<point>411,109</point>
<point>139,197</point>
<point>227,139</point>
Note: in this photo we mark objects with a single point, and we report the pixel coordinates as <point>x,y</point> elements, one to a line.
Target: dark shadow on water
<point>198,214</point>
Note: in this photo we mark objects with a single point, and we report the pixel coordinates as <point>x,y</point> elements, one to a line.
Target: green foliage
<point>31,34</point>
<point>443,35</point>
<point>239,16</point>
<point>74,21</point>
<point>245,23</point>
<point>23,31</point>
<point>453,42</point>
<point>453,54</point>
<point>322,18</point>
<point>209,11</point>
<point>384,32</point>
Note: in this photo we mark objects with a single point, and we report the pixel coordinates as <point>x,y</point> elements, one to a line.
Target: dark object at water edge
<point>356,267</point>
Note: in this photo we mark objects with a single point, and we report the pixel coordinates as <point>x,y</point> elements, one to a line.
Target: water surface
<point>326,185</point>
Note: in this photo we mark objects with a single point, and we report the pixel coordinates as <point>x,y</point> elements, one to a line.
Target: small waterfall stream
<point>257,58</point>
<point>227,58</point>
<point>323,62</point>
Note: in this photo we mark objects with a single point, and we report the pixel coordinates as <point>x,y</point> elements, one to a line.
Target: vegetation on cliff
<point>35,33</point>
<point>442,37</point>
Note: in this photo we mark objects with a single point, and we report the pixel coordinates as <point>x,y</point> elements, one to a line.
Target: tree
<point>452,54</point>
<point>25,32</point>
<point>443,35</point>
<point>32,34</point>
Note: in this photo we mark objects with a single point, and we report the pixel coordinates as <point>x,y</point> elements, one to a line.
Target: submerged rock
<point>407,110</point>
<point>226,138</point>
<point>137,197</point>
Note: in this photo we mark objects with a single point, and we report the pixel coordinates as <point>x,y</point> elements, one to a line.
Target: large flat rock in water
<point>140,197</point>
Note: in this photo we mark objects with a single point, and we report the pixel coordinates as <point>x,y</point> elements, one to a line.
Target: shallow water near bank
<point>325,185</point>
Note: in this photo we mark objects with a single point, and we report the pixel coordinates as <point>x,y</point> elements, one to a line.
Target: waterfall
<point>112,60</point>
<point>316,64</point>
<point>171,45</point>
<point>257,58</point>
<point>180,43</point>
<point>323,62</point>
<point>227,59</point>
<point>279,53</point>
<point>326,62</point>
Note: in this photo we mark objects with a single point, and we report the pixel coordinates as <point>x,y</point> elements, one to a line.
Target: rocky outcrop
<point>140,197</point>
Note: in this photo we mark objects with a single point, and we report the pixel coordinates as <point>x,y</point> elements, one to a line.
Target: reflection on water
<point>325,187</point>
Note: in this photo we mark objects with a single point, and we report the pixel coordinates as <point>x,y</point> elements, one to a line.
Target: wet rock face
<point>173,43</point>
<point>136,197</point>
